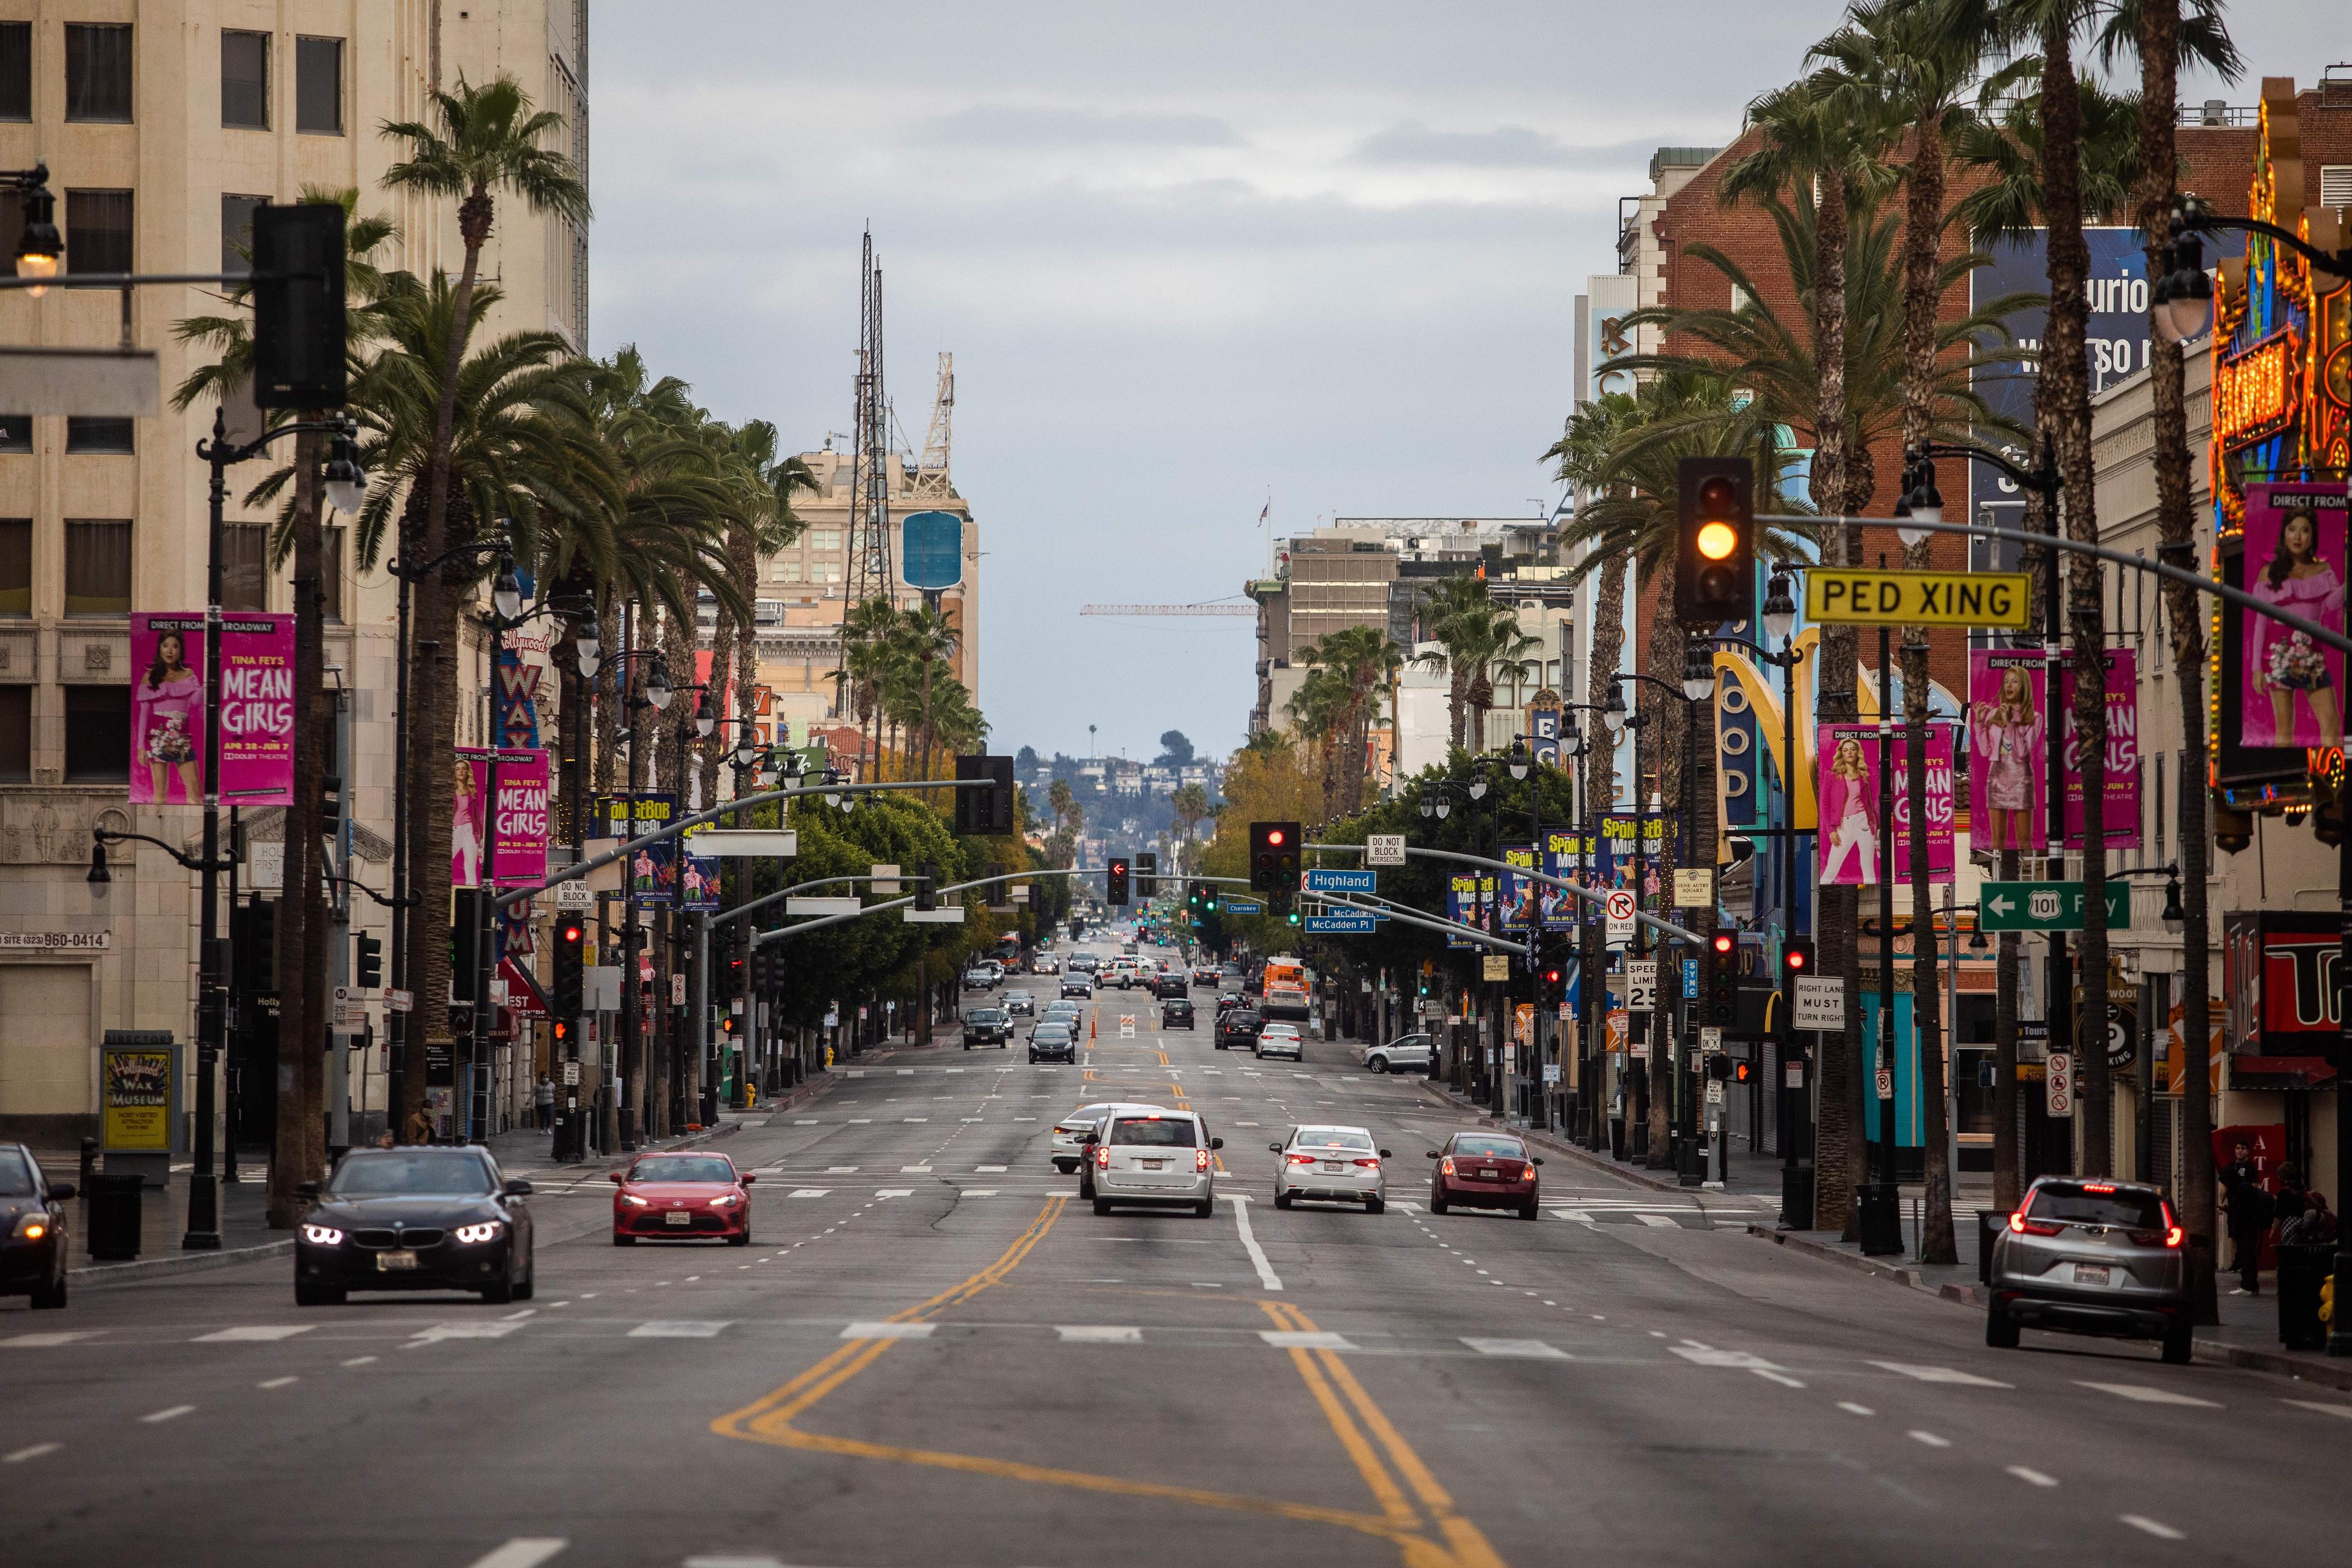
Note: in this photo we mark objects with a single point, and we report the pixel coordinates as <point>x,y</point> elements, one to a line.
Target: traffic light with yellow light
<point>1714,549</point>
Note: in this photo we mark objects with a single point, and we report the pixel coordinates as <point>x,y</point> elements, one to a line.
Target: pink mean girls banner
<point>256,710</point>
<point>514,834</point>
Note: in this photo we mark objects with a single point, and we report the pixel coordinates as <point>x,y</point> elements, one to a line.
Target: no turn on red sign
<point>1620,914</point>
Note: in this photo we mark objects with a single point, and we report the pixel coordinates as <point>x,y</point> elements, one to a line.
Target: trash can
<point>2302,1268</point>
<point>1880,1220</point>
<point>113,1216</point>
<point>1991,1223</point>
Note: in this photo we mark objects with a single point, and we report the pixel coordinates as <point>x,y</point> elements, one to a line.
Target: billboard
<point>2278,982</point>
<point>256,710</point>
<point>931,550</point>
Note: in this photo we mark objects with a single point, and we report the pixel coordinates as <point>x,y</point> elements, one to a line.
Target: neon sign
<point>2253,391</point>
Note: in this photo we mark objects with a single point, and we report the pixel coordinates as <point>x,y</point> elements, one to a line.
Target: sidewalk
<point>245,1234</point>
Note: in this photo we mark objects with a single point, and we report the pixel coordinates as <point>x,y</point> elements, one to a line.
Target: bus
<point>1285,988</point>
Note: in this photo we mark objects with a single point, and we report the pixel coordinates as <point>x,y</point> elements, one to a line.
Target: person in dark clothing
<point>2249,1209</point>
<point>2293,1195</point>
<point>2315,1227</point>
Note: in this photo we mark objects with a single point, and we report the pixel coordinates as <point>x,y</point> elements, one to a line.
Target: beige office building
<point>162,125</point>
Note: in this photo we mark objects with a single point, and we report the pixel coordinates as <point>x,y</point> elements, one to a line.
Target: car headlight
<point>634,1201</point>
<point>726,1200</point>
<point>31,1225</point>
<point>486,1231</point>
<point>322,1236</point>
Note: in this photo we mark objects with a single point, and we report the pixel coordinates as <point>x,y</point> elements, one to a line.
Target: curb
<point>92,1274</point>
<point>1639,1176</point>
<point>2279,1363</point>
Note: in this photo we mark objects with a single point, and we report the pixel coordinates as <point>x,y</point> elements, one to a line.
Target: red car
<point>1485,1171</point>
<point>690,1197</point>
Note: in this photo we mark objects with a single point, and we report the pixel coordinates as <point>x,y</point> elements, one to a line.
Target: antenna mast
<point>932,478</point>
<point>870,520</point>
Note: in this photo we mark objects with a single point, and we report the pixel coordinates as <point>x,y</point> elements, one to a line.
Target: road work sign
<point>1855,597</point>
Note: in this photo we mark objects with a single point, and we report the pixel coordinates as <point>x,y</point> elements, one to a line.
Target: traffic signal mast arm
<point>1450,927</point>
<point>1575,890</point>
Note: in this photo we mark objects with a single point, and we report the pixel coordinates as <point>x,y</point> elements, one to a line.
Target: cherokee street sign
<point>1856,598</point>
<point>2047,905</point>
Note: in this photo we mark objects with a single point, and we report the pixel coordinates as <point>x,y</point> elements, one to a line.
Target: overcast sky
<point>1188,260</point>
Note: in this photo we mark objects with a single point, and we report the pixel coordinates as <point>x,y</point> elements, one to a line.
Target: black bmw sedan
<point>32,1229</point>
<point>415,1219</point>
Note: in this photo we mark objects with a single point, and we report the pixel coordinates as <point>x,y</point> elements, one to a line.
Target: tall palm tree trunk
<point>301,1087</point>
<point>2159,54</point>
<point>2065,381</point>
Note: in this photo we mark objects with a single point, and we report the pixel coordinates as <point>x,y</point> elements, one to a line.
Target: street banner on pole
<point>513,836</point>
<point>2008,751</point>
<point>1849,846</point>
<point>651,871</point>
<point>697,876</point>
<point>1566,854</point>
<point>2120,819</point>
<point>2295,549</point>
<point>256,710</point>
<point>1518,892</point>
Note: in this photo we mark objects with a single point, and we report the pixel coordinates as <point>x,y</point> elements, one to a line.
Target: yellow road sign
<point>1856,598</point>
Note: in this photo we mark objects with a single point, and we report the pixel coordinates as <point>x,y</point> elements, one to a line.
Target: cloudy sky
<point>1191,260</point>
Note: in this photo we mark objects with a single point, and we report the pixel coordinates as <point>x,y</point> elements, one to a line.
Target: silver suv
<point>2085,1256</point>
<point>1148,1155</point>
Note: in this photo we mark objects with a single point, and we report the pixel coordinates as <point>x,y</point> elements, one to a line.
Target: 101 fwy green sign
<point>2047,905</point>
<point>1855,597</point>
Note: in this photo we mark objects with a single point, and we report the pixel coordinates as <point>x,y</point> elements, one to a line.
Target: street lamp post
<point>506,613</point>
<point>655,695</point>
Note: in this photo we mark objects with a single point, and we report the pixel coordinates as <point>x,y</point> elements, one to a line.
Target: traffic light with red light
<point>1274,857</point>
<point>1116,878</point>
<point>564,996</point>
<point>1796,957</point>
<point>1721,982</point>
<point>1715,555</point>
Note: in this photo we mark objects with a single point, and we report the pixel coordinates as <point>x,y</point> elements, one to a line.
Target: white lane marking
<point>1578,1216</point>
<point>1097,1334</point>
<point>1703,1355</point>
<point>1851,1408</point>
<point>914,1118</point>
<point>679,1329</point>
<point>1525,1350</point>
<point>888,1330</point>
<point>841,1170</point>
<point>2342,1411</point>
<point>808,1191</point>
<point>1265,1274</point>
<point>278,1382</point>
<point>522,1552</point>
<point>253,1332</point>
<point>1939,1374</point>
<point>498,1330</point>
<point>893,1192</point>
<point>1656,1219</point>
<point>980,1192</point>
<point>914,1170</point>
<point>1288,1339</point>
<point>989,1170</point>
<point>1782,1378</point>
<point>359,1361</point>
<point>2032,1476</point>
<point>172,1413</point>
<point>2145,1395</point>
<point>1929,1439</point>
<point>861,1122</point>
<point>906,1072</point>
<point>40,1341</point>
<point>35,1452</point>
<point>2162,1531</point>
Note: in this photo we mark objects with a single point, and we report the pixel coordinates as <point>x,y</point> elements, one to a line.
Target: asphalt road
<point>935,1356</point>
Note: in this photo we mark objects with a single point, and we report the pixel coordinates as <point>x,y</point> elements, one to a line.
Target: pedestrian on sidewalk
<point>2315,1227</point>
<point>543,1098</point>
<point>419,1127</point>
<point>2249,1208</point>
<point>2294,1194</point>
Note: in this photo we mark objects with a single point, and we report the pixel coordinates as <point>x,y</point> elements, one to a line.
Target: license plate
<point>1155,1164</point>
<point>1334,1166</point>
<point>386,1262</point>
<point>677,1217</point>
<point>1488,1175</point>
<point>2091,1273</point>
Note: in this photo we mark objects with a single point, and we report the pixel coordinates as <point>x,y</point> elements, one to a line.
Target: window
<point>331,573</point>
<point>245,80</point>
<point>245,566</point>
<point>236,232</point>
<point>2335,179</point>
<point>318,86</point>
<point>1153,1133</point>
<point>98,72</point>
<point>15,565</point>
<point>826,538</point>
<point>97,231</point>
<point>86,433</point>
<point>98,734</point>
<point>16,432</point>
<point>15,734</point>
<point>15,70</point>
<point>98,566</point>
<point>792,571</point>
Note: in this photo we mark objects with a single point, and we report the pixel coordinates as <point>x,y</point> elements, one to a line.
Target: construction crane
<point>931,476</point>
<point>1168,610</point>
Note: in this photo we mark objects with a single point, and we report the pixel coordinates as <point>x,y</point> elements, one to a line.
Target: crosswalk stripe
<point>2145,1395</point>
<point>253,1332</point>
<point>1290,1339</point>
<point>810,1192</point>
<point>1523,1350</point>
<point>1657,1219</point>
<point>1939,1374</point>
<point>494,1329</point>
<point>522,1552</point>
<point>893,1192</point>
<point>679,1329</point>
<point>1097,1334</point>
<point>43,1342</point>
<point>866,1331</point>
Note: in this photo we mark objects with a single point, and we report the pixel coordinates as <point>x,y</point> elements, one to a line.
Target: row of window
<point>98,231</point>
<point>97,567</point>
<point>98,77</point>
<point>84,433</point>
<point>97,735</point>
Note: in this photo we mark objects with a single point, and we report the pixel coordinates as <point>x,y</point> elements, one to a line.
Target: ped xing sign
<point>1341,882</point>
<point>1853,597</point>
<point>1341,925</point>
<point>2047,905</point>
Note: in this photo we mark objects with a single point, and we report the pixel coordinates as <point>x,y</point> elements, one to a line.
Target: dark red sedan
<point>1485,1171</point>
<point>688,1197</point>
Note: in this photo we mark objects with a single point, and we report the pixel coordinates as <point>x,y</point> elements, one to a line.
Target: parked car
<point>1176,1013</point>
<point>987,1026</point>
<point>1485,1171</point>
<point>1340,1164</point>
<point>413,1218</point>
<point>2084,1257</point>
<point>1406,1053</point>
<point>1280,1040</point>
<point>1237,1026</point>
<point>1151,1155</point>
<point>33,1229</point>
<point>682,1197</point>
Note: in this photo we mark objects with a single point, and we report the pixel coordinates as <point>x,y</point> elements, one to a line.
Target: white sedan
<point>1340,1165</point>
<point>1281,1040</point>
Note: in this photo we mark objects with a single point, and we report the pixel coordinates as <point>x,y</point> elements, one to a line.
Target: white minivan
<point>1153,1156</point>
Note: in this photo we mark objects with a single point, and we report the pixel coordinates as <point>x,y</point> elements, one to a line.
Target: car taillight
<point>2024,1226</point>
<point>1102,1159</point>
<point>1302,1159</point>
<point>1199,1159</point>
<point>1528,1173</point>
<point>1445,1166</point>
<point>2098,1186</point>
<point>2174,1236</point>
<point>1373,1162</point>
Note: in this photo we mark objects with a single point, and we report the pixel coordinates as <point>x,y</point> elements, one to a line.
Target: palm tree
<point>1452,613</point>
<point>1316,711</point>
<point>1064,802</point>
<point>1362,660</point>
<point>1190,806</point>
<point>922,639</point>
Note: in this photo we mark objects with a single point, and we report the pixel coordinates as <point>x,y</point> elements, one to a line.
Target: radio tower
<point>869,516</point>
